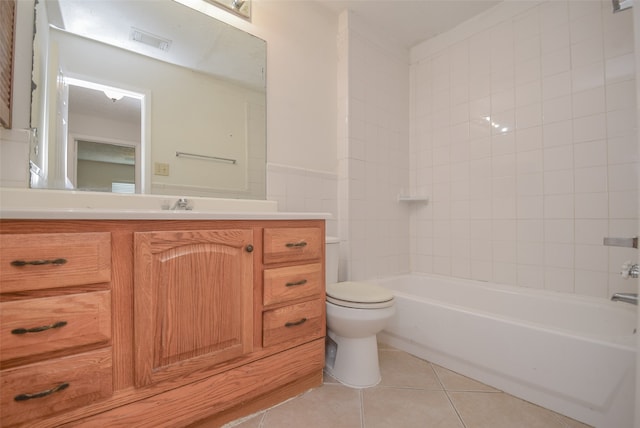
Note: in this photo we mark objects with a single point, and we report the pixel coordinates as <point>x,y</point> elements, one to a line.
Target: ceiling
<point>410,22</point>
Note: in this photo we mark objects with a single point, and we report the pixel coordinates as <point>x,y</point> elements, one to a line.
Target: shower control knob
<point>630,270</point>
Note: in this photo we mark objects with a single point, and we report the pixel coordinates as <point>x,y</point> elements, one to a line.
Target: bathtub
<point>568,353</point>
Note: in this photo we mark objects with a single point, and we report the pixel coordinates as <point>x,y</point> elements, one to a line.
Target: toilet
<point>356,312</point>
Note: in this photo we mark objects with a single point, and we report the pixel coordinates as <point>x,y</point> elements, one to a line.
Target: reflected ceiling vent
<point>149,39</point>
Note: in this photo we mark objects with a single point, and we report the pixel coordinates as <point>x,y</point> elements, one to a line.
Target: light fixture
<point>113,95</point>
<point>242,8</point>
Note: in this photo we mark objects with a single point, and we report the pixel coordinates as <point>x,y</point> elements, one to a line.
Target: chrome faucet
<point>625,297</point>
<point>182,204</point>
<point>630,270</point>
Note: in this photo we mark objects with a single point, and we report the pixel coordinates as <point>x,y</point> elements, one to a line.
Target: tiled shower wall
<point>523,135</point>
<point>373,151</point>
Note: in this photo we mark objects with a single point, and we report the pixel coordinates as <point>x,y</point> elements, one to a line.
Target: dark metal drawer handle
<point>56,262</point>
<point>39,329</point>
<point>296,244</point>
<point>295,323</point>
<point>25,397</point>
<point>293,284</point>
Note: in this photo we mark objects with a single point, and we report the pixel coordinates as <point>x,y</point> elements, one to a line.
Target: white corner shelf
<point>408,198</point>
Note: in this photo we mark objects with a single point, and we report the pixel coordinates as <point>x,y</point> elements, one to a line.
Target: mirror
<point>178,94</point>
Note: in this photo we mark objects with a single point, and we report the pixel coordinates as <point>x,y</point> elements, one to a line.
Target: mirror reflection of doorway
<point>105,136</point>
<point>104,167</point>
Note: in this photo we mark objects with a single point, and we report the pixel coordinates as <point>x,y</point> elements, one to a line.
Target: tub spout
<point>625,297</point>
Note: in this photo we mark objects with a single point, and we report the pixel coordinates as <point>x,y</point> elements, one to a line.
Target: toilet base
<point>353,361</point>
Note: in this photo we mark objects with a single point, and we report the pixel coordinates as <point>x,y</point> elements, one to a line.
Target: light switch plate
<point>160,168</point>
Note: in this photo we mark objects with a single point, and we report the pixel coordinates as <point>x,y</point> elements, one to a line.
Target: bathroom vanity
<point>158,322</point>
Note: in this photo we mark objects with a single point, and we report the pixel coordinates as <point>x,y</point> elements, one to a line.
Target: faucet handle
<point>630,270</point>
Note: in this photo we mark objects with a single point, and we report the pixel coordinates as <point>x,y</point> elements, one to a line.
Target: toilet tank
<point>332,256</point>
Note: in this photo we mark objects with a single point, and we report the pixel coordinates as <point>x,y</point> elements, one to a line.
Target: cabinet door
<point>193,300</point>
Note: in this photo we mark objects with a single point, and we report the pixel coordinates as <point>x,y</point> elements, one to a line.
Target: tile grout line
<point>446,392</point>
<point>361,397</point>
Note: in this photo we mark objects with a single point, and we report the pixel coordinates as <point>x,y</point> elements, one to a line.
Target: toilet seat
<point>359,295</point>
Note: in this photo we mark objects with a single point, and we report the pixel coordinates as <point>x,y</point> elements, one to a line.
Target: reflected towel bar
<point>205,157</point>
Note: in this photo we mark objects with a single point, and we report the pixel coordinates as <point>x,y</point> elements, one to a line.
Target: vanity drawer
<point>303,321</point>
<point>38,326</point>
<point>54,386</point>
<point>292,244</point>
<point>52,260</point>
<point>292,282</point>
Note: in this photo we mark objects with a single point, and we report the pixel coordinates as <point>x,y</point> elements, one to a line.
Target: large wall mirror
<point>146,97</point>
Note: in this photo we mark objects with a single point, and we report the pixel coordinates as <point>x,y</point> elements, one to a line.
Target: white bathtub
<point>571,354</point>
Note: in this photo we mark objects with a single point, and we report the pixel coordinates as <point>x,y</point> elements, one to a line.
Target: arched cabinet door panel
<point>193,301</point>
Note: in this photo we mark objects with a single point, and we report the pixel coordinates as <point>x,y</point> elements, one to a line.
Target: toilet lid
<point>359,295</point>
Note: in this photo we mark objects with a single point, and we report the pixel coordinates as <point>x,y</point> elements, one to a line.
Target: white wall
<point>301,104</point>
<point>636,27</point>
<point>527,202</point>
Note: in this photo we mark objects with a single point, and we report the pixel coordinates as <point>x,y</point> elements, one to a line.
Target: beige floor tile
<point>386,347</point>
<point>248,422</point>
<point>404,370</point>
<point>386,407</point>
<point>571,423</point>
<point>452,381</point>
<point>333,406</point>
<point>500,410</point>
<point>328,379</point>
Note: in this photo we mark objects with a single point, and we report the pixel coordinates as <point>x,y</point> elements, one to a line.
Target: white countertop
<point>73,205</point>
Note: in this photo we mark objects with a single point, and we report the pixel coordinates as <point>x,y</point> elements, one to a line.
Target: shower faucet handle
<point>630,270</point>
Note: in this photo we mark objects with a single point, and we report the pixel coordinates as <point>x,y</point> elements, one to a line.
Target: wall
<point>523,135</point>
<point>301,105</point>
<point>636,26</point>
<point>373,150</point>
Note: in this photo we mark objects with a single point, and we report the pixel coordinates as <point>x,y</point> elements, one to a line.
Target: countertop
<point>74,205</point>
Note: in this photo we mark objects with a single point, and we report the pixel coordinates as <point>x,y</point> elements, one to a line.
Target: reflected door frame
<point>143,149</point>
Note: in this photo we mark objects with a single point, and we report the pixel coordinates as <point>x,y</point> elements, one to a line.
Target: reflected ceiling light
<point>111,92</point>
<point>113,95</point>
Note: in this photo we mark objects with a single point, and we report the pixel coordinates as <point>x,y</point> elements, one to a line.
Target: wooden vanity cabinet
<point>193,300</point>
<point>55,323</point>
<point>158,323</point>
<point>293,297</point>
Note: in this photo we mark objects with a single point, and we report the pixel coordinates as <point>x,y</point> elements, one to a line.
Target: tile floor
<point>413,393</point>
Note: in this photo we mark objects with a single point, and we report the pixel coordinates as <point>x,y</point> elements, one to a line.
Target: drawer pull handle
<point>295,323</point>
<point>296,244</point>
<point>25,397</point>
<point>38,329</point>
<point>293,284</point>
<point>56,262</point>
